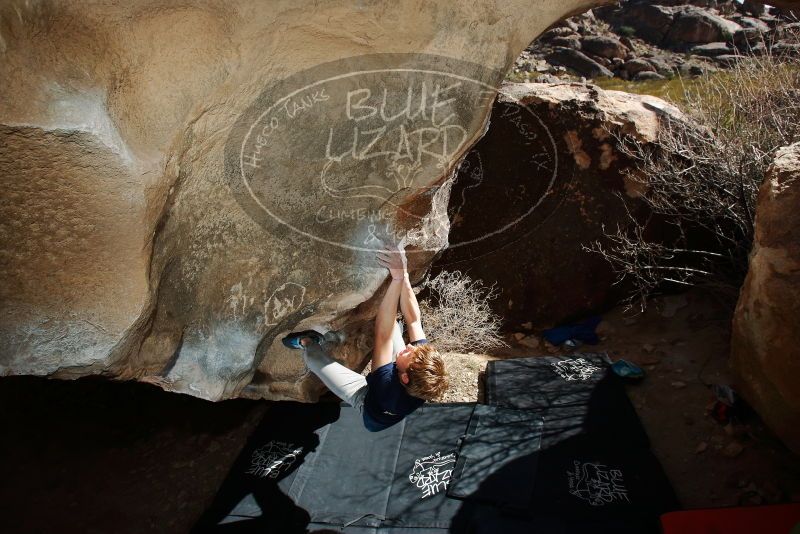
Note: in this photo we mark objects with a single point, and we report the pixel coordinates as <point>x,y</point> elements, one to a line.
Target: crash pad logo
<point>272,459</point>
<point>597,484</point>
<point>431,474</point>
<point>575,369</point>
<point>338,153</point>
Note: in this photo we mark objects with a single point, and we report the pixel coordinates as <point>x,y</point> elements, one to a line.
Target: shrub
<point>456,313</point>
<point>704,181</point>
<point>626,31</point>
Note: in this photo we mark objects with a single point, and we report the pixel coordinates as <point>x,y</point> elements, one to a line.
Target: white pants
<point>346,384</point>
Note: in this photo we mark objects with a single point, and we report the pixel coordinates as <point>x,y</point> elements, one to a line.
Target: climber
<point>403,375</point>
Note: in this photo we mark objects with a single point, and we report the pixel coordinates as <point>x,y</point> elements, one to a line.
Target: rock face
<point>694,26</point>
<point>764,349</point>
<point>712,49</point>
<point>651,22</point>
<point>603,46</point>
<point>579,62</point>
<point>686,38</point>
<point>647,75</point>
<point>674,26</point>
<point>541,184</point>
<point>637,65</point>
<point>183,184</point>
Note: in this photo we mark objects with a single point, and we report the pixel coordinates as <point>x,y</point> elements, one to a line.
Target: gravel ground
<point>465,372</point>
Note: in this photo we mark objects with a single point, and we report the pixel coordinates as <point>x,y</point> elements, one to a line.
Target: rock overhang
<point>158,271</point>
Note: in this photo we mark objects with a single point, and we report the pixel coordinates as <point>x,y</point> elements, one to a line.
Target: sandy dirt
<point>709,464</point>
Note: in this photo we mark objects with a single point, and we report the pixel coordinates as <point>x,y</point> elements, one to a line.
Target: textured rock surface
<point>545,179</point>
<point>637,65</point>
<point>764,348</point>
<point>651,22</point>
<point>129,247</point>
<point>604,46</point>
<point>695,25</point>
<point>578,61</point>
<point>647,75</point>
<point>712,49</point>
<point>674,26</point>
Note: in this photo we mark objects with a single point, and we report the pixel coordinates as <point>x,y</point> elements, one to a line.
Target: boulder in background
<point>765,352</point>
<point>696,26</point>
<point>541,184</point>
<point>579,62</point>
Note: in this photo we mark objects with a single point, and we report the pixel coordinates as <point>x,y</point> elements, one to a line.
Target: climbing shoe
<point>292,340</point>
<point>627,370</point>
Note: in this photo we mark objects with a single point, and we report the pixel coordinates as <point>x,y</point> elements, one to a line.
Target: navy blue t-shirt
<point>387,400</point>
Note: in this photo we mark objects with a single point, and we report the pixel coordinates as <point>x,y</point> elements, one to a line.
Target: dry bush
<point>456,313</point>
<point>703,181</point>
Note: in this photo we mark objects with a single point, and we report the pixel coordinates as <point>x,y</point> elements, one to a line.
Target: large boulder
<point>184,183</point>
<point>578,61</point>
<point>753,23</point>
<point>634,66</point>
<point>646,75</point>
<point>746,38</point>
<point>569,41</point>
<point>673,26</point>
<point>749,7</point>
<point>604,46</point>
<point>786,49</point>
<point>541,185</point>
<point>712,49</point>
<point>665,64</point>
<point>764,350</point>
<point>558,31</point>
<point>651,22</point>
<point>694,25</point>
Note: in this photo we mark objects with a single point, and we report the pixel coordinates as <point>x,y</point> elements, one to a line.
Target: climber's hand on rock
<point>394,259</point>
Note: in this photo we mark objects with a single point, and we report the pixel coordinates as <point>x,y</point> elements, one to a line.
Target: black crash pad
<point>348,478</point>
<point>575,394</point>
<point>595,471</point>
<point>396,477</point>
<point>497,458</point>
<point>253,497</point>
<point>582,486</point>
<point>583,479</point>
<point>315,467</point>
<point>424,466</point>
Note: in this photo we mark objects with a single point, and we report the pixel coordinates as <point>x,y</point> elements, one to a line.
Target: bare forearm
<point>393,259</point>
<point>411,313</point>
<point>408,303</point>
<point>387,311</point>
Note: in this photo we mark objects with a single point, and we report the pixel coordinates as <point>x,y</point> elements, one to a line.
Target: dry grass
<point>702,177</point>
<point>457,315</point>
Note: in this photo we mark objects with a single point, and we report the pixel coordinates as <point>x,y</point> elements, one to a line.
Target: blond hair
<point>427,375</point>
